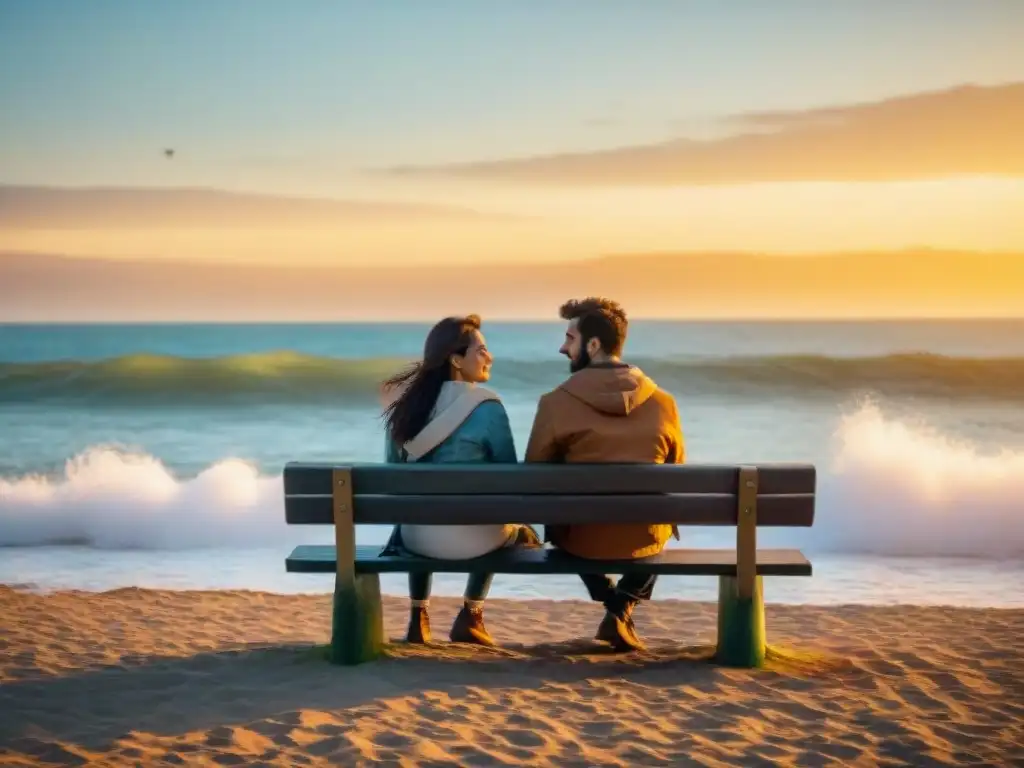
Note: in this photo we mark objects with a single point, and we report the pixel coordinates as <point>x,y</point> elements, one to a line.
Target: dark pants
<point>477,585</point>
<point>631,588</point>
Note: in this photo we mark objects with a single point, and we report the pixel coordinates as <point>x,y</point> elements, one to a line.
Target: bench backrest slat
<point>556,479</point>
<point>793,510</point>
<point>551,494</point>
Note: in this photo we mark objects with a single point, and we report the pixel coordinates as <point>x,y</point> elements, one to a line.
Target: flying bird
<point>168,153</point>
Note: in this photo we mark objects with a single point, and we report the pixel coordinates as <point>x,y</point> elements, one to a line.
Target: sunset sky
<point>482,132</point>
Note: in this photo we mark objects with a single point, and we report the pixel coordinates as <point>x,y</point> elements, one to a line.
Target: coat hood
<point>614,389</point>
<point>455,403</point>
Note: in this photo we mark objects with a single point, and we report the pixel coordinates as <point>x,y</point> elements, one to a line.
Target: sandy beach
<point>143,677</point>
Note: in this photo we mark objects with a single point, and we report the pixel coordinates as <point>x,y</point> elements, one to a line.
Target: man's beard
<point>581,361</point>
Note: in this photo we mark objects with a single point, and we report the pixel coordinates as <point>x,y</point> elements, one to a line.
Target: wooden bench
<point>746,497</point>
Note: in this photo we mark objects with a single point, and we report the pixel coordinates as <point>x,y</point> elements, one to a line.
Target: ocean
<point>151,455</point>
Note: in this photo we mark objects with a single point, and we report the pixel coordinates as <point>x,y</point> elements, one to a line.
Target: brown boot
<point>469,628</point>
<point>617,627</point>
<point>419,626</point>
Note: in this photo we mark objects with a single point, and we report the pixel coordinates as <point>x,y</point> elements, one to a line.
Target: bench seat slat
<point>314,558</point>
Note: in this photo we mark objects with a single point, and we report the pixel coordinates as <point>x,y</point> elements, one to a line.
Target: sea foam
<point>888,487</point>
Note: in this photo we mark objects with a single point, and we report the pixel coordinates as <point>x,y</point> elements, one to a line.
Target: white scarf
<point>456,401</point>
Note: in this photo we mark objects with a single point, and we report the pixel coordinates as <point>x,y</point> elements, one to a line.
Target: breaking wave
<point>888,487</point>
<point>289,377</point>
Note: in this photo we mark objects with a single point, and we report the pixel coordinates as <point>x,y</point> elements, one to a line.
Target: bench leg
<point>741,631</point>
<point>357,628</point>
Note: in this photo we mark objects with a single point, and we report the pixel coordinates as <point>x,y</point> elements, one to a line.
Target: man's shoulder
<point>552,396</point>
<point>664,395</point>
<point>665,399</point>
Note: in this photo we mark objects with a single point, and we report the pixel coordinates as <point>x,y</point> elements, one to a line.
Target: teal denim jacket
<point>486,436</point>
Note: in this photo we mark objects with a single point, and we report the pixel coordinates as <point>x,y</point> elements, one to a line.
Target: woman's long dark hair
<point>419,385</point>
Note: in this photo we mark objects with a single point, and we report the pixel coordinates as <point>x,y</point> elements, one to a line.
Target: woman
<point>441,415</point>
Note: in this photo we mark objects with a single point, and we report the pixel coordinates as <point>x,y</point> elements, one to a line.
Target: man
<point>607,411</point>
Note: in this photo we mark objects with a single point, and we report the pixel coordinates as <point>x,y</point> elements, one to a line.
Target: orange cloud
<point>968,130</point>
<point>56,208</point>
<point>911,283</point>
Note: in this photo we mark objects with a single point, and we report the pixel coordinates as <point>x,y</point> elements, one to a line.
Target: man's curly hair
<point>599,318</point>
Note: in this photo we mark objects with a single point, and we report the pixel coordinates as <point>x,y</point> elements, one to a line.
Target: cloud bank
<point>26,207</point>
<point>917,282</point>
<point>963,131</point>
